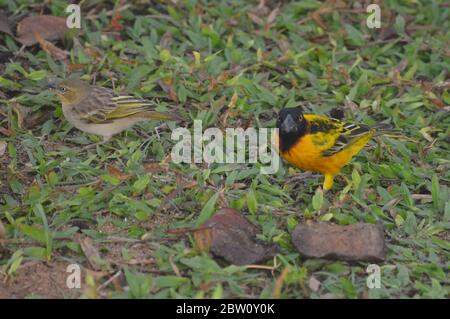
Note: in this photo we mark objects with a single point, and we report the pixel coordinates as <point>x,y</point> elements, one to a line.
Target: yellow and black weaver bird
<point>321,144</point>
<point>101,111</point>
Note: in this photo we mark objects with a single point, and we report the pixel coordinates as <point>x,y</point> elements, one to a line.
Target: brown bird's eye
<point>63,89</point>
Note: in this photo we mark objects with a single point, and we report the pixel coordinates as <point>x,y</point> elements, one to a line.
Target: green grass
<point>210,54</point>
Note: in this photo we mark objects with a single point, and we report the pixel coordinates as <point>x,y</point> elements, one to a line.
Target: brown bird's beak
<point>51,86</point>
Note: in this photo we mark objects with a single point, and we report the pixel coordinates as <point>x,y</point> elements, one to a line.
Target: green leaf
<point>113,180</point>
<point>169,281</point>
<point>15,264</point>
<point>317,200</point>
<point>354,35</point>
<point>251,201</point>
<point>141,183</point>
<point>36,252</point>
<point>399,25</point>
<point>37,75</point>
<point>33,232</point>
<point>435,192</point>
<point>208,209</point>
<point>356,178</point>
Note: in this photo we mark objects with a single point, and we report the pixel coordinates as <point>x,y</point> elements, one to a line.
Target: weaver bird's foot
<point>323,189</point>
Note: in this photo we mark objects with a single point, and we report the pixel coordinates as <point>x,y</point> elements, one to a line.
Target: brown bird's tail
<point>164,116</point>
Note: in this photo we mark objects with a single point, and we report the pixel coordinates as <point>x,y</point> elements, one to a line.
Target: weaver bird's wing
<point>331,136</point>
<point>104,106</point>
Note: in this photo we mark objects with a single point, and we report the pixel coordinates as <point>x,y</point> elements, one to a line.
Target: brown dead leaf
<point>203,239</point>
<point>329,241</point>
<point>22,113</point>
<point>115,171</point>
<point>279,283</point>
<point>72,67</point>
<point>26,119</point>
<point>5,25</point>
<point>116,24</point>
<point>6,131</point>
<point>231,236</point>
<point>49,27</point>
<point>156,168</point>
<point>93,52</point>
<point>37,118</point>
<point>273,15</point>
<point>2,233</point>
<point>326,8</point>
<point>438,102</point>
<point>51,49</point>
<point>314,284</point>
<point>233,100</point>
<point>91,253</point>
<point>166,40</point>
<point>255,18</point>
<point>168,87</point>
<point>3,146</point>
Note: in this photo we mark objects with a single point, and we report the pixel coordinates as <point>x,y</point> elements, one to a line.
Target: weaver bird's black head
<point>292,126</point>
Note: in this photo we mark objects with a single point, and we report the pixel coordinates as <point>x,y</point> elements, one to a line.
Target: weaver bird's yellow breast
<point>306,155</point>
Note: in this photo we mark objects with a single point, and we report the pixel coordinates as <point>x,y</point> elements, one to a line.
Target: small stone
<point>231,236</point>
<point>357,242</point>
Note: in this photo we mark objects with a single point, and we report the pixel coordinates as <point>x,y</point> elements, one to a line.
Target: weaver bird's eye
<point>62,89</point>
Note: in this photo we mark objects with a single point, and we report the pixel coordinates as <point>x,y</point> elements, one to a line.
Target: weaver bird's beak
<point>288,124</point>
<point>51,86</point>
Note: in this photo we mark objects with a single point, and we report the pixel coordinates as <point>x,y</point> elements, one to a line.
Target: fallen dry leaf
<point>231,236</point>
<point>273,15</point>
<point>255,18</point>
<point>22,112</point>
<point>314,284</point>
<point>49,27</point>
<point>329,241</point>
<point>156,168</point>
<point>91,253</point>
<point>115,171</point>
<point>5,25</point>
<point>51,49</point>
<point>6,131</point>
<point>26,119</point>
<point>115,24</point>
<point>168,87</point>
<point>279,283</point>
<point>166,40</point>
<point>2,232</point>
<point>3,146</point>
<point>71,67</point>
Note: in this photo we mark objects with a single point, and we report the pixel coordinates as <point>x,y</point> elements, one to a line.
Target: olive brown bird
<point>321,144</point>
<point>99,110</point>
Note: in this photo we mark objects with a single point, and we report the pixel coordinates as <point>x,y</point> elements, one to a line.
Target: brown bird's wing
<point>102,105</point>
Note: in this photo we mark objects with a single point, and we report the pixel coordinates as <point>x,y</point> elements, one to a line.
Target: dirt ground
<point>40,280</point>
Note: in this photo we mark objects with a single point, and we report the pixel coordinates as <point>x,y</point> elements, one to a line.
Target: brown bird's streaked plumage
<point>101,111</point>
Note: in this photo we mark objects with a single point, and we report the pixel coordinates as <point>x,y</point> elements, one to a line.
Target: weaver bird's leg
<point>328,182</point>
